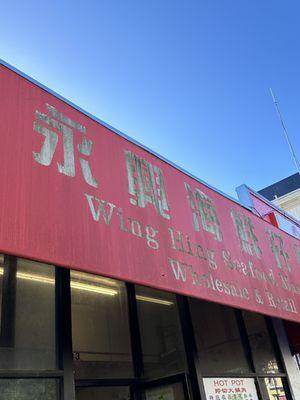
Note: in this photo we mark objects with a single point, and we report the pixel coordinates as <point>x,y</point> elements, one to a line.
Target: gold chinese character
<point>204,212</point>
<point>276,245</point>
<point>245,232</point>
<point>145,184</point>
<point>50,127</point>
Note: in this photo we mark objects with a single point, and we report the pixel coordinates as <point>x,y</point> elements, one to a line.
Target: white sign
<point>230,389</point>
<point>162,393</point>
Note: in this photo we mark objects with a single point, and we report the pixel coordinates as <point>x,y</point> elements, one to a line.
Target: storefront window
<point>218,338</point>
<point>1,285</point>
<point>27,325</point>
<point>105,393</point>
<point>29,389</point>
<point>172,391</point>
<point>272,388</point>
<point>263,354</point>
<point>101,338</point>
<point>162,343</point>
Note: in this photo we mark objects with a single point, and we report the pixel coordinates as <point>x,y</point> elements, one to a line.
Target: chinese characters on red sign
<point>87,198</point>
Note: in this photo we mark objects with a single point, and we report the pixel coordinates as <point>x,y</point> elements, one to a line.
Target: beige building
<point>285,194</point>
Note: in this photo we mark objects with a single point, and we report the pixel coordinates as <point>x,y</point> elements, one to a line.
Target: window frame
<point>64,372</point>
<point>249,355</point>
<point>57,373</point>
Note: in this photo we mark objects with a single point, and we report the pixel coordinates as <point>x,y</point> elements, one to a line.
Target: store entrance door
<point>170,388</point>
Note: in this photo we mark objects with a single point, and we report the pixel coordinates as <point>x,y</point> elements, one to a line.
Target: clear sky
<point>188,78</point>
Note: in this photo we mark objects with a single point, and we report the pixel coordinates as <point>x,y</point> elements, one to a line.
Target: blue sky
<point>189,79</point>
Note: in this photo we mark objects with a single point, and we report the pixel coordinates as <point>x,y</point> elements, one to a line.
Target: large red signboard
<point>76,194</point>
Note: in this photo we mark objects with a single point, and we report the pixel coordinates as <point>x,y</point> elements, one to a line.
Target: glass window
<point>272,388</point>
<point>173,391</point>
<point>162,343</point>
<point>1,284</point>
<point>29,389</point>
<point>263,354</point>
<point>218,338</point>
<point>103,393</point>
<point>27,325</point>
<point>100,324</point>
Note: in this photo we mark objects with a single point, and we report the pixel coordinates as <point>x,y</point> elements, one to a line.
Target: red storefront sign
<point>279,218</point>
<point>76,194</point>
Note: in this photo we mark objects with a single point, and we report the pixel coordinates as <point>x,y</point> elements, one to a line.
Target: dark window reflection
<point>27,334</point>
<point>173,391</point>
<point>162,343</point>
<point>1,287</point>
<point>263,354</point>
<point>29,389</point>
<point>103,393</point>
<point>218,338</point>
<point>101,339</point>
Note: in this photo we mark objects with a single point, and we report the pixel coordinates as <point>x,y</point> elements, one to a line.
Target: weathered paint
<point>76,194</point>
